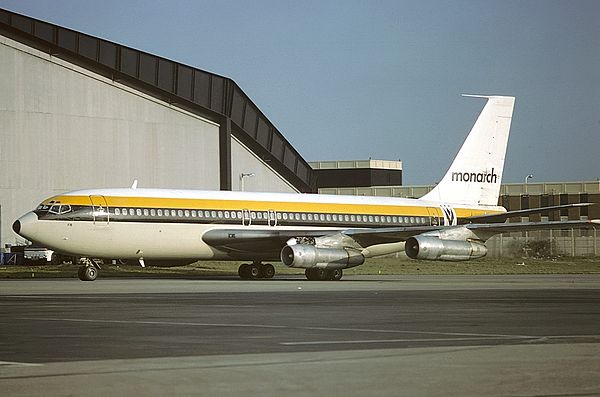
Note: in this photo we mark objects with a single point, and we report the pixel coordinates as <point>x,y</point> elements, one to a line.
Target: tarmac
<point>364,335</point>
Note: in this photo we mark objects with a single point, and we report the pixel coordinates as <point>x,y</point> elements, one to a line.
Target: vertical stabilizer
<point>476,173</point>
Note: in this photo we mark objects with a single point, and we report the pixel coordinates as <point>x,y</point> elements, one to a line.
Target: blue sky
<point>382,79</point>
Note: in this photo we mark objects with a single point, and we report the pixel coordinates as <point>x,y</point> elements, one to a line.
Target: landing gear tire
<point>268,270</point>
<point>87,273</point>
<point>254,271</point>
<point>335,274</point>
<point>317,274</point>
<point>243,271</point>
<point>56,259</point>
<point>250,271</point>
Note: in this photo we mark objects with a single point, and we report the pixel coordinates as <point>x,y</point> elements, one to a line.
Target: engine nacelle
<point>433,248</point>
<point>306,256</point>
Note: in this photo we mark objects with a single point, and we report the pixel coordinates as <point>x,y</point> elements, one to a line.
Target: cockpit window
<point>59,209</point>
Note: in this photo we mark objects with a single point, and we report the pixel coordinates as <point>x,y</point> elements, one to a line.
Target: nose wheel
<point>88,271</point>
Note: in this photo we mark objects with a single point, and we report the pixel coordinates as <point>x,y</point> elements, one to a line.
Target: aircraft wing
<point>512,214</point>
<point>529,226</point>
<point>272,241</point>
<point>264,240</point>
<point>244,240</point>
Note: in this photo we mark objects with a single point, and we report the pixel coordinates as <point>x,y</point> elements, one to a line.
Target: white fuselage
<point>168,225</point>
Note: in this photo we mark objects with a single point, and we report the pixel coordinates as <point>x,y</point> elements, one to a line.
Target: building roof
<point>209,95</point>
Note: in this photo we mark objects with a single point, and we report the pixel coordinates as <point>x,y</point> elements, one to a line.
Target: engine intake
<point>307,256</point>
<point>433,248</point>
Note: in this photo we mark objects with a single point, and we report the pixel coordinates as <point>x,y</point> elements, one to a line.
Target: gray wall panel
<point>64,128</point>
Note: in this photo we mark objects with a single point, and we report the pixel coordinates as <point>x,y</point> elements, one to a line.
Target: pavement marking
<point>364,341</point>
<point>4,364</point>
<point>465,335</point>
<point>183,323</point>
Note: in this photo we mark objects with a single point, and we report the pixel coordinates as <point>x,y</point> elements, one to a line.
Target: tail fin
<point>476,173</point>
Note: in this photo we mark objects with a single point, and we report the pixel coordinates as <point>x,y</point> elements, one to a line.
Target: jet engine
<point>434,248</point>
<point>308,256</point>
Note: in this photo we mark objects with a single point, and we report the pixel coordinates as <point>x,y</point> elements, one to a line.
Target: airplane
<point>322,234</point>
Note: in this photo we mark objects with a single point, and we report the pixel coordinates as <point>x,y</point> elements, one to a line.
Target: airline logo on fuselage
<point>482,177</point>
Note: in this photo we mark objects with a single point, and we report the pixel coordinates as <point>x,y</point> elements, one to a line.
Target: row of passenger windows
<point>285,216</point>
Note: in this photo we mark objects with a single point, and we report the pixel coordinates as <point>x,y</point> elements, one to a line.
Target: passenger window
<point>117,211</point>
<point>220,214</point>
<point>303,216</point>
<point>253,215</point>
<point>347,218</point>
<point>310,217</point>
<point>187,213</point>
<point>226,214</point>
<point>376,218</point>
<point>138,212</point>
<point>285,216</point>
<point>259,215</point>
<point>278,215</point>
<point>213,214</point>
<point>160,213</point>
<point>193,213</point>
<point>239,214</point>
<point>146,213</point>
<point>328,217</point>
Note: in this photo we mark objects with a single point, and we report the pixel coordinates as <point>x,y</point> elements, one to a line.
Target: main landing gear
<point>318,274</point>
<point>88,271</point>
<point>256,270</point>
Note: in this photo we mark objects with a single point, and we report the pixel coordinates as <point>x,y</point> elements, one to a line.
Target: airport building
<point>77,111</point>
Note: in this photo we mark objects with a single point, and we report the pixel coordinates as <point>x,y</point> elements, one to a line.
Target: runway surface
<point>486,335</point>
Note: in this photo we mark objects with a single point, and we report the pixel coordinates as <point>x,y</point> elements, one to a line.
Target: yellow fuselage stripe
<point>279,206</point>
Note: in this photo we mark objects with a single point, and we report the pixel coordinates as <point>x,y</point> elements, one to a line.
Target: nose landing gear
<point>88,271</point>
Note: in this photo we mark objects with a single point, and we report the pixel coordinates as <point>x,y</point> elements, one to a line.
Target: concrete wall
<point>264,180</point>
<point>64,128</point>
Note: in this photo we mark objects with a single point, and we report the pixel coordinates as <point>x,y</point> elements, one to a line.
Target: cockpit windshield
<point>57,209</point>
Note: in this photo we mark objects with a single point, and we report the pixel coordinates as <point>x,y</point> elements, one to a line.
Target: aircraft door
<point>100,211</point>
<point>272,218</point>
<point>246,217</point>
<point>434,219</point>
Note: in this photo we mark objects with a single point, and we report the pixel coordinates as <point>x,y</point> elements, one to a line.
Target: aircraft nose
<point>26,225</point>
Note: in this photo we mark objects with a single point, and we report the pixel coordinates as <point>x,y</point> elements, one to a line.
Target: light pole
<point>527,179</point>
<point>242,176</point>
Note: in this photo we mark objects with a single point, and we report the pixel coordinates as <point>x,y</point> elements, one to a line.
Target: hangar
<point>77,111</point>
